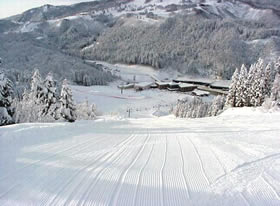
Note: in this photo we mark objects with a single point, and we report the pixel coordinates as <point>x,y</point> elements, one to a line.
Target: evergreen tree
<point>195,108</point>
<point>262,85</point>
<point>27,110</point>
<point>25,95</point>
<point>276,68</point>
<point>50,100</point>
<point>249,82</point>
<point>6,92</point>
<point>217,106</point>
<point>231,97</point>
<point>40,104</point>
<point>37,88</point>
<point>258,85</point>
<point>241,89</point>
<point>268,80</point>
<point>67,107</point>
<point>275,91</point>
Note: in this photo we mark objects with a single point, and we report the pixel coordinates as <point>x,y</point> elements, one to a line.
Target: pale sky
<point>12,7</point>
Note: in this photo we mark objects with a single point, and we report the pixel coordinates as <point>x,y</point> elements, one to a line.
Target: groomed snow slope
<point>233,159</point>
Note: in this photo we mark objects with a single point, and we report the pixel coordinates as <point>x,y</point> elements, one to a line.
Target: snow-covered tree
<point>38,89</point>
<point>38,105</point>
<point>25,95</point>
<point>241,88</point>
<point>86,111</point>
<point>260,92</point>
<point>274,101</point>
<point>67,106</point>
<point>231,97</point>
<point>249,82</point>
<point>276,68</point>
<point>27,110</point>
<point>275,91</point>
<point>217,106</point>
<point>268,80</point>
<point>6,92</point>
<point>194,108</point>
<point>49,99</point>
<point>257,87</point>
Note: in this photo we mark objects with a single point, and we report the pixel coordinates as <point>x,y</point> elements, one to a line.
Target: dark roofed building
<point>173,85</point>
<point>162,85</point>
<point>196,81</point>
<point>184,87</point>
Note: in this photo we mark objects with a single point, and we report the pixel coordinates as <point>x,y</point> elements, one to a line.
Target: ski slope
<point>232,159</point>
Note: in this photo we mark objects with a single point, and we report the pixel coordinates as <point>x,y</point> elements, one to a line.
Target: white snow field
<point>232,159</point>
<point>110,101</point>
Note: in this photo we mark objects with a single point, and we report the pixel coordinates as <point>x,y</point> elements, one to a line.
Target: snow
<point>39,37</point>
<point>144,84</point>
<point>162,83</point>
<point>173,84</point>
<point>194,80</point>
<point>28,27</point>
<point>110,101</point>
<point>232,159</point>
<point>200,92</point>
<point>46,8</point>
<point>141,72</point>
<point>185,85</point>
<point>221,83</point>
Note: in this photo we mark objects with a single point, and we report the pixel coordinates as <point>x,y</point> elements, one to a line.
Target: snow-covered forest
<point>42,103</point>
<point>191,44</point>
<point>255,87</point>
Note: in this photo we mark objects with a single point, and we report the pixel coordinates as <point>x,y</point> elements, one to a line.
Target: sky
<point>13,7</point>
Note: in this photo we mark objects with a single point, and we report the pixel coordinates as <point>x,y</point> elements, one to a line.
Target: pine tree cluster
<point>254,86</point>
<point>42,103</point>
<point>196,108</point>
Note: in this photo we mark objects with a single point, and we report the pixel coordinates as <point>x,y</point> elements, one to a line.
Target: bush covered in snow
<point>86,111</point>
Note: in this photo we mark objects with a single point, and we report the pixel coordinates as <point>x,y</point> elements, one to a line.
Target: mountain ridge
<point>80,30</point>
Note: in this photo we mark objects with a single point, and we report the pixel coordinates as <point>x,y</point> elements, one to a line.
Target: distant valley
<point>202,38</point>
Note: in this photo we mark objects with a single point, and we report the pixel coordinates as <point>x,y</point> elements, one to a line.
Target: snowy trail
<point>155,161</point>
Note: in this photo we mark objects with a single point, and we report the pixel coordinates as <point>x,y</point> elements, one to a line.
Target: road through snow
<point>233,159</point>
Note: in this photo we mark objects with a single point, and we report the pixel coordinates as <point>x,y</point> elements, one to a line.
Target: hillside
<point>209,38</point>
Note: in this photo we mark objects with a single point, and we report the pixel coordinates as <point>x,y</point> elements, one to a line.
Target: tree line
<point>197,108</point>
<point>254,87</point>
<point>191,44</point>
<point>259,85</point>
<point>41,103</point>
